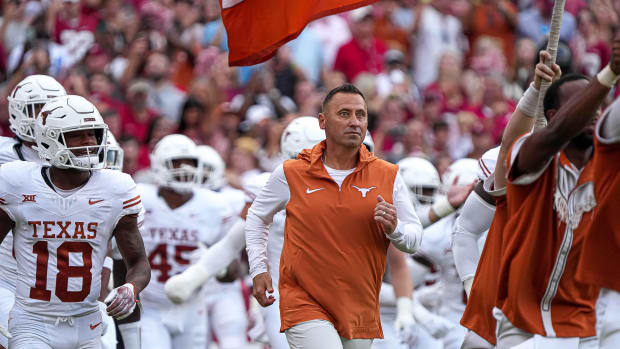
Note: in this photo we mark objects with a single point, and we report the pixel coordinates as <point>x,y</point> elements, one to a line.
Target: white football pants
<point>34,331</point>
<point>7,298</point>
<point>271,318</point>
<point>228,318</point>
<point>321,334</point>
<point>509,336</point>
<point>184,326</point>
<point>609,319</point>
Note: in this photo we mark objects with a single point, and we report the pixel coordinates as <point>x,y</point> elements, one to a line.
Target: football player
<point>62,217</point>
<point>25,102</point>
<point>179,216</point>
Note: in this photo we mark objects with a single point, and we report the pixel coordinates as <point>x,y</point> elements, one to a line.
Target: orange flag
<point>257,28</point>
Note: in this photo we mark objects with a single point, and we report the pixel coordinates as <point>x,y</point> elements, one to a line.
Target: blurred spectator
<point>493,18</point>
<point>534,22</point>
<point>364,53</point>
<point>163,95</point>
<point>14,28</point>
<point>595,51</point>
<point>436,31</point>
<point>333,32</point>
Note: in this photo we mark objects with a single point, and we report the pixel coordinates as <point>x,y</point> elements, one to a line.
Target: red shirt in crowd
<point>353,59</point>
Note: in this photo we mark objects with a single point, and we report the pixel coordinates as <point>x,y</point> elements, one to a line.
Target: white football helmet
<point>64,115</point>
<point>368,142</point>
<point>114,155</point>
<point>465,169</point>
<point>211,168</point>
<point>486,164</point>
<point>301,133</point>
<point>27,99</point>
<point>422,179</point>
<point>175,147</point>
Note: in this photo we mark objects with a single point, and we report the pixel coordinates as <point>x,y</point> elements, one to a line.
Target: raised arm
<point>524,116</point>
<point>569,120</point>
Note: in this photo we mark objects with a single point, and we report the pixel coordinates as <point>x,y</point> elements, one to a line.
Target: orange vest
<point>334,252</point>
<point>602,245</point>
<point>537,289</point>
<point>478,315</point>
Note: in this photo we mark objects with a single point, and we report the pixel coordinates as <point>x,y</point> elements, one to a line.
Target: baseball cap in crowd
<point>394,56</point>
<point>255,115</point>
<point>138,86</point>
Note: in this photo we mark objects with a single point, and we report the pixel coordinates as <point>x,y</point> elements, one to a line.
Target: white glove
<point>181,287</point>
<point>405,323</point>
<point>121,301</point>
<point>104,314</point>
<point>436,325</point>
<point>5,332</point>
<point>467,284</point>
<point>130,333</point>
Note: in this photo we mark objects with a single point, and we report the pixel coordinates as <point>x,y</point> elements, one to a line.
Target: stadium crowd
<point>442,86</point>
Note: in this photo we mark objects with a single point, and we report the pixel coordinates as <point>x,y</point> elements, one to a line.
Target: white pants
<point>108,340</point>
<point>228,318</point>
<point>7,298</point>
<point>609,319</point>
<point>321,334</point>
<point>184,326</point>
<point>271,318</point>
<point>474,341</point>
<point>509,336</point>
<point>33,331</point>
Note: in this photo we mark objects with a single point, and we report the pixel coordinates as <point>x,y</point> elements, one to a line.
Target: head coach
<point>344,206</point>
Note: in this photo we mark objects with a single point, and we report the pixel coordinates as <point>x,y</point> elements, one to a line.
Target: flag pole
<point>552,48</point>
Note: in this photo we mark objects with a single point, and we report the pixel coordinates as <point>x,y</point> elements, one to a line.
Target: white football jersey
<point>171,235</point>
<point>11,150</point>
<point>60,242</point>
<point>437,247</point>
<point>234,197</point>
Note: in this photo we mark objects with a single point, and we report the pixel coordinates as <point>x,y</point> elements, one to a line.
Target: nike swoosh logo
<point>92,327</point>
<point>308,191</point>
<point>92,202</point>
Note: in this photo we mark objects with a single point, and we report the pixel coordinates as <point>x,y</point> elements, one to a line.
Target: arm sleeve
<point>608,129</point>
<point>272,198</point>
<point>423,212</point>
<point>407,236</point>
<point>474,220</point>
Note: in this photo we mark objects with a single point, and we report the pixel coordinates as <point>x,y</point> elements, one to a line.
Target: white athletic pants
<point>474,341</point>
<point>7,298</point>
<point>34,331</point>
<point>509,336</point>
<point>321,334</point>
<point>609,319</point>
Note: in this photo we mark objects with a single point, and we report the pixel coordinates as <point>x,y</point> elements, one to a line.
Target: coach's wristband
<point>442,207</point>
<point>529,102</point>
<point>607,77</point>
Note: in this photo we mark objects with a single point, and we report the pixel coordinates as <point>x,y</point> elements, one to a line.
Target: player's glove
<point>436,325</point>
<point>104,315</point>
<point>5,332</point>
<point>405,322</point>
<point>121,301</point>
